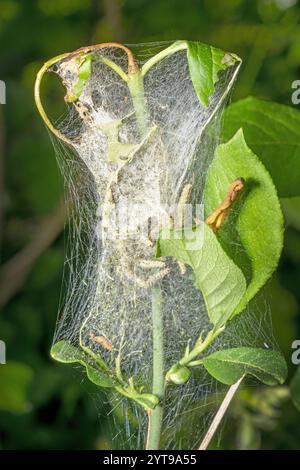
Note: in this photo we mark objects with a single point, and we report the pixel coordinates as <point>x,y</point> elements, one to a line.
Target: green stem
<point>188,360</point>
<point>37,96</point>
<point>136,88</point>
<point>113,66</point>
<point>158,388</point>
<point>175,47</point>
<point>201,346</point>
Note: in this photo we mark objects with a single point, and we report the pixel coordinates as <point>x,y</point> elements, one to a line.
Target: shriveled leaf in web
<point>205,64</point>
<point>295,389</point>
<point>64,352</point>
<point>229,365</point>
<point>221,282</point>
<point>14,381</point>
<point>253,233</point>
<point>117,151</point>
<point>84,72</point>
<point>272,131</point>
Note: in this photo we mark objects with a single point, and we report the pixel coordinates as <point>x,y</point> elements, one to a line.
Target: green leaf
<point>63,351</point>
<point>229,365</point>
<point>221,282</point>
<point>205,64</point>
<point>84,72</point>
<point>14,381</point>
<point>295,389</point>
<point>253,234</point>
<point>272,131</point>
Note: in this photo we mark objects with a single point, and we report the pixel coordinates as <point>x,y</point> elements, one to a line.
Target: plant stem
<point>201,346</point>
<point>158,387</point>
<point>37,96</point>
<point>136,88</point>
<point>177,46</point>
<point>113,66</point>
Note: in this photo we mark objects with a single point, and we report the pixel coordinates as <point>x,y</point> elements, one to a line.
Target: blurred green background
<point>43,405</point>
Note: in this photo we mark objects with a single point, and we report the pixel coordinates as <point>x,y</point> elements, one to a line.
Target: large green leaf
<point>229,365</point>
<point>64,352</point>
<point>205,64</point>
<point>295,389</point>
<point>14,381</point>
<point>253,234</point>
<point>221,282</point>
<point>272,131</point>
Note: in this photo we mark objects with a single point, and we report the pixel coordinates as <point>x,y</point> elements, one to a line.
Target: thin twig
<point>14,273</point>
<point>2,169</point>
<point>94,16</point>
<point>113,16</point>
<point>220,414</point>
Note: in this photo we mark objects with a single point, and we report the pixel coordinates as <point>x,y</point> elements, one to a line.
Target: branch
<point>113,16</point>
<point>2,169</point>
<point>93,18</point>
<point>14,272</point>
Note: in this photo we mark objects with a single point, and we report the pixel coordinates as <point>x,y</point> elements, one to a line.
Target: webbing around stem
<point>132,69</point>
